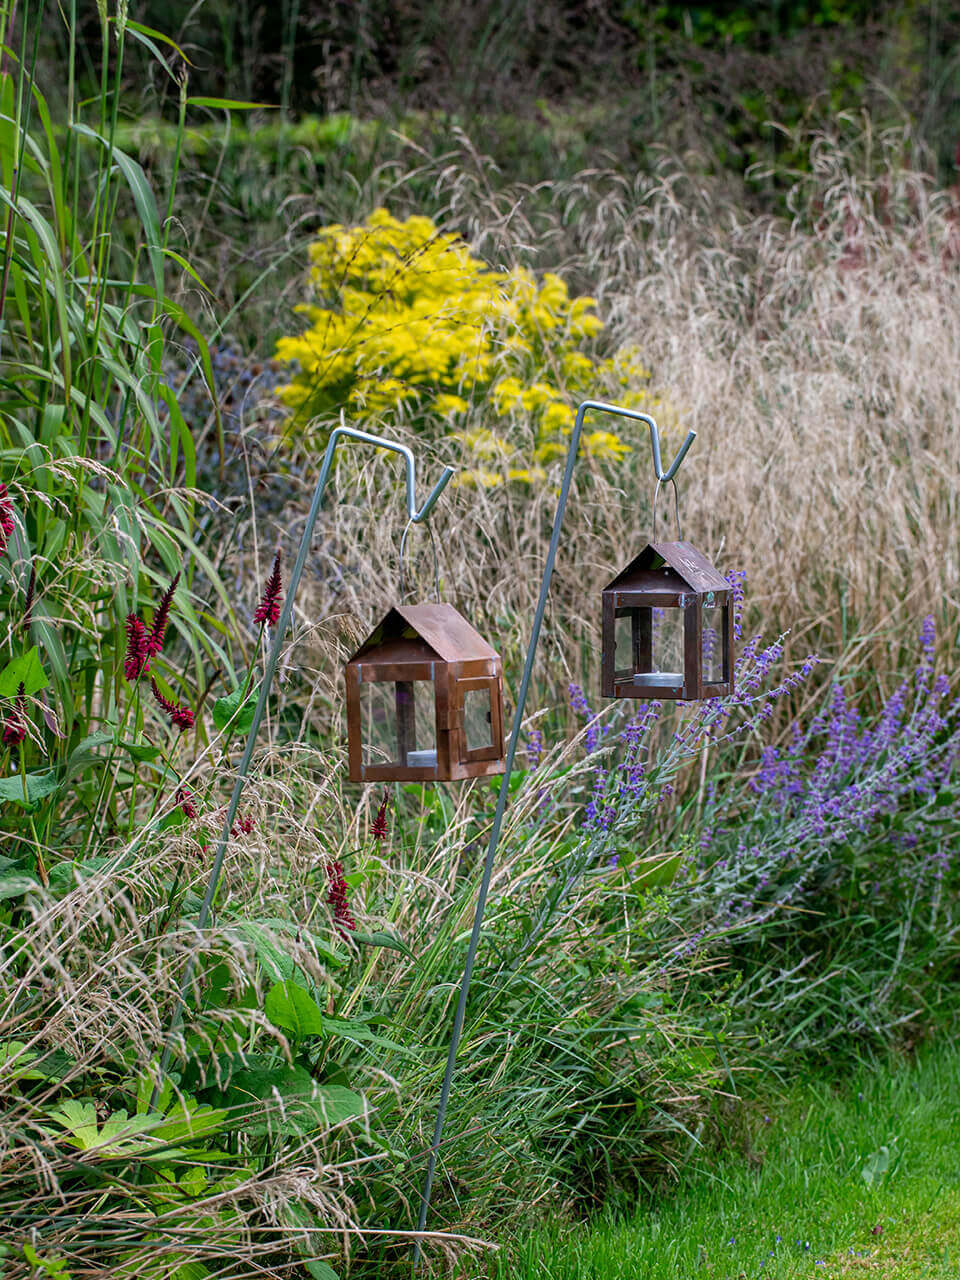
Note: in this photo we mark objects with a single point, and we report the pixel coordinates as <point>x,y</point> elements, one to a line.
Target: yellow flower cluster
<point>405,318</point>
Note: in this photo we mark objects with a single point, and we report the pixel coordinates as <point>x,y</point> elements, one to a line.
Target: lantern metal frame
<point>669,576</point>
<point>449,655</point>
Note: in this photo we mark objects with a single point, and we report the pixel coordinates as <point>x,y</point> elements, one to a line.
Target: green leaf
<point>299,1215</point>
<point>181,261</point>
<point>265,931</point>
<point>65,874</point>
<point>175,818</point>
<point>85,752</point>
<point>319,1269</point>
<point>382,939</point>
<point>189,1120</point>
<point>25,670</point>
<point>16,886</point>
<point>39,785</point>
<point>291,1008</point>
<point>224,709</point>
<point>55,1065</point>
<point>192,1270</point>
<point>142,29</point>
<point>358,1032</point>
<point>143,199</point>
<point>276,963</point>
<point>15,1060</point>
<point>876,1166</point>
<point>140,751</point>
<point>301,1103</point>
<point>516,779</point>
<point>228,104</point>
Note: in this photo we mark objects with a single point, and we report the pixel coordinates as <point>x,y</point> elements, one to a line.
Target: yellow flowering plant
<point>404,319</point>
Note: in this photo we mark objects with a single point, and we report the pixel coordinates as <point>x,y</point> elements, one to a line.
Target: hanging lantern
<point>424,700</point>
<point>668,627</point>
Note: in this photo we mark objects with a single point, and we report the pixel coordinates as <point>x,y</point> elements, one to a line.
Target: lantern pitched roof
<point>692,568</point>
<point>440,626</point>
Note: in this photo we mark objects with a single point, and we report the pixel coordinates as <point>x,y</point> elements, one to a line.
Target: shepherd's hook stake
<point>458,1017</point>
<point>417,517</point>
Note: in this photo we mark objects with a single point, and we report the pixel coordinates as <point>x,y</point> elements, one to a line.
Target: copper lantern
<point>668,627</point>
<point>424,700</point>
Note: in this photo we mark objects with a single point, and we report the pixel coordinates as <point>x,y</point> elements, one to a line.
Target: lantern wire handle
<point>676,507</point>
<point>416,516</point>
<point>436,560</point>
<point>458,1018</point>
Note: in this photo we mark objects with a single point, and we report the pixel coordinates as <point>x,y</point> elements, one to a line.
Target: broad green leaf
<point>224,709</point>
<point>301,1104</point>
<point>17,886</point>
<point>55,1065</point>
<point>188,1120</point>
<point>319,1269</point>
<point>271,927</point>
<point>39,785</point>
<point>80,1121</point>
<point>26,670</point>
<point>15,1060</point>
<point>175,818</point>
<point>140,751</point>
<point>85,752</point>
<point>291,1008</point>
<point>65,875</point>
<point>275,962</point>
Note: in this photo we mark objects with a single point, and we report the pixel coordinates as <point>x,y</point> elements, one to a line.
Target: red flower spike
<point>15,725</point>
<point>6,518</point>
<point>181,717</point>
<point>379,828</point>
<point>159,628</point>
<point>28,603</point>
<point>337,899</point>
<point>137,660</point>
<point>186,801</point>
<point>268,610</point>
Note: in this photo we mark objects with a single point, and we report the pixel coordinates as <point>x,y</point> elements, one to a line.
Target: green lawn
<point>856,1178</point>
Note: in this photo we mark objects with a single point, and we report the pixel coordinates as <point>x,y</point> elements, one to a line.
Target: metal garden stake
<point>662,477</point>
<point>417,517</point>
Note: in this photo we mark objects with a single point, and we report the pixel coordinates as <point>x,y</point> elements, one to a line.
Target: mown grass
<point>834,1179</point>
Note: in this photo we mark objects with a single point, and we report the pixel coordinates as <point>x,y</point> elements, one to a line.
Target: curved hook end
<point>681,454</point>
<point>431,501</point>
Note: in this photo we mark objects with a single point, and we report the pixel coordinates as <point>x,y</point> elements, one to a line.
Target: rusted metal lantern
<point>424,700</point>
<point>668,627</point>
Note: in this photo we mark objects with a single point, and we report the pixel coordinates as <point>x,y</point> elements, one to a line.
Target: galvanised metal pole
<point>600,407</point>
<point>339,433</point>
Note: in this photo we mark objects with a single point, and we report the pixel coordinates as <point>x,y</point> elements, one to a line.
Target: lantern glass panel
<point>626,661</point>
<point>477,719</point>
<point>712,641</point>
<point>398,723</point>
<point>667,644</point>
